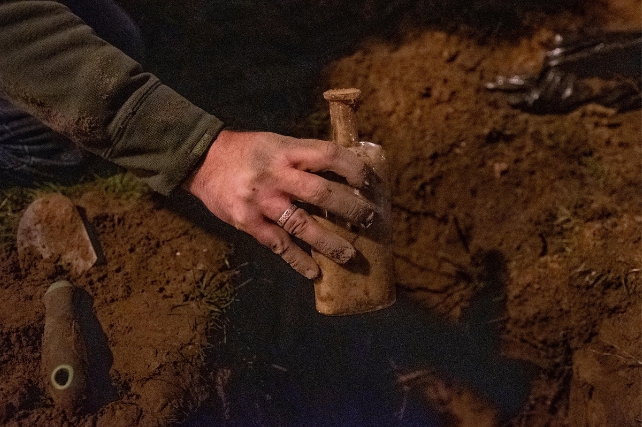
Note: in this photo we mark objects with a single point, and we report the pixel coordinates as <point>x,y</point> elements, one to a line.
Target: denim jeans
<point>32,153</point>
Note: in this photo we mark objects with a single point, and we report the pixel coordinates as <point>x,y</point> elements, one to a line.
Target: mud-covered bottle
<point>365,283</point>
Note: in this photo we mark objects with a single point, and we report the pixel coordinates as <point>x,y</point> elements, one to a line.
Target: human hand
<point>250,179</point>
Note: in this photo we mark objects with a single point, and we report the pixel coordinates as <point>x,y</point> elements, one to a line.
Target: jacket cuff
<point>160,136</point>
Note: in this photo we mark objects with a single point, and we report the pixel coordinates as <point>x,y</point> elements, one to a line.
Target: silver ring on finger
<point>286,215</point>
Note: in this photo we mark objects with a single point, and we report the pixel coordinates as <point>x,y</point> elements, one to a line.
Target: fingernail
<point>368,178</point>
<point>369,220</point>
<point>311,273</point>
<point>345,255</point>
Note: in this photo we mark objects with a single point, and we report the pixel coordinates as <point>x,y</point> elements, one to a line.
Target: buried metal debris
<point>602,68</point>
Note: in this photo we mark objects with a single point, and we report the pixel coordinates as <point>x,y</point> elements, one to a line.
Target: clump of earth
<point>517,236</point>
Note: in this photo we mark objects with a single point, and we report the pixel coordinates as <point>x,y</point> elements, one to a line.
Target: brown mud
<point>517,237</point>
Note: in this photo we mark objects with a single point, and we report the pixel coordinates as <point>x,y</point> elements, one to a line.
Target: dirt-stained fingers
<point>280,242</point>
<point>298,223</point>
<point>340,199</point>
<point>319,156</point>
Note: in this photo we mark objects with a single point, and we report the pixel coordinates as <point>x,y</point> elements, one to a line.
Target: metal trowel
<point>52,227</point>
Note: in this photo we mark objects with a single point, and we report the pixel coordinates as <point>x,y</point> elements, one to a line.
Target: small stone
<point>500,168</point>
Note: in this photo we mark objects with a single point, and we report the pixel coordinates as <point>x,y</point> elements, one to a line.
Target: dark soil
<point>517,239</point>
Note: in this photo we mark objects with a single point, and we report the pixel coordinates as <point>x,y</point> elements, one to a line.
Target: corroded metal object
<point>602,68</point>
<point>365,283</point>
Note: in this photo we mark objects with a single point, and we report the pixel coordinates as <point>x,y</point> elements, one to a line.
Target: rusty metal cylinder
<point>365,283</point>
<point>64,357</point>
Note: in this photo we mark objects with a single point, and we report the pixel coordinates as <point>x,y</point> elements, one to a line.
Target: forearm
<point>56,68</point>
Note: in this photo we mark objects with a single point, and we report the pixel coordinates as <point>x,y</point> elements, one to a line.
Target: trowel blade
<point>52,227</point>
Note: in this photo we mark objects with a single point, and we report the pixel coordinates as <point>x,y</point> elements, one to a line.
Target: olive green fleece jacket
<point>56,68</point>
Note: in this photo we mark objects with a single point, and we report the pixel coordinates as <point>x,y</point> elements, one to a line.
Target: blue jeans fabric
<point>32,153</point>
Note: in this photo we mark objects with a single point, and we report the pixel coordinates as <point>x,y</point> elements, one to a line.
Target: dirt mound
<point>556,195</point>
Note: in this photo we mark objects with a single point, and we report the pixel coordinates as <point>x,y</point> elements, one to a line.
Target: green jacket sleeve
<point>56,68</point>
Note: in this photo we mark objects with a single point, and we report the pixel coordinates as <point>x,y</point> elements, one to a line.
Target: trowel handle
<point>343,115</point>
<point>63,348</point>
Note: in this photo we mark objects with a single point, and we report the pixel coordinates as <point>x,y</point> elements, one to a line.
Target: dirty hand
<point>250,179</point>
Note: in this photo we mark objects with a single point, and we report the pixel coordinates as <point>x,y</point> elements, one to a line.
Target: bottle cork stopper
<point>343,115</point>
<point>348,96</point>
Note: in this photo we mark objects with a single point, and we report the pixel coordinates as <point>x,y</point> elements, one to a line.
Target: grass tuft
<point>215,290</point>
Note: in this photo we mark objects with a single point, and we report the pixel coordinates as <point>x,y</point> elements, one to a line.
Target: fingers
<point>249,179</point>
<point>335,197</point>
<point>281,244</point>
<point>301,225</point>
<point>316,155</point>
